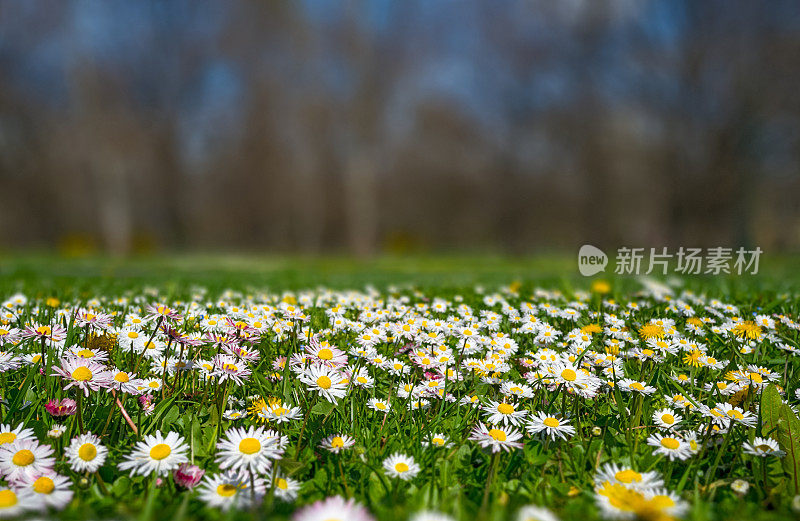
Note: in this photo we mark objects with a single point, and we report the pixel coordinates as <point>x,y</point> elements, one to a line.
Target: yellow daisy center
<point>337,442</point>
<point>249,446</point>
<point>325,354</point>
<point>82,374</point>
<point>668,418</point>
<point>44,485</point>
<point>121,377</point>
<point>497,434</point>
<point>401,467</point>
<point>160,451</point>
<point>569,375</point>
<point>23,458</point>
<point>7,437</point>
<point>8,498</point>
<point>87,452</point>
<point>628,476</point>
<point>226,490</point>
<point>282,484</point>
<point>505,408</point>
<point>551,422</point>
<point>670,443</point>
<point>324,382</point>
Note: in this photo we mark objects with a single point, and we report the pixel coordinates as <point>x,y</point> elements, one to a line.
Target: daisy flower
<point>86,375</point>
<point>337,443</point>
<point>16,501</point>
<point>437,440</point>
<point>429,515</point>
<point>326,381</point>
<point>666,418</point>
<point>379,405</point>
<point>326,355</point>
<point>401,466</point>
<point>25,456</point>
<point>85,453</point>
<point>286,488</point>
<point>333,508</point>
<point>54,333</point>
<point>251,449</point>
<point>671,447</point>
<point>157,454</point>
<point>54,490</point>
<point>550,425</point>
<point>9,435</point>
<point>498,438</point>
<point>56,431</point>
<point>502,412</point>
<point>231,489</point>
<point>626,476</point>
<point>763,447</point>
<point>535,513</point>
<point>230,368</point>
<point>628,385</point>
<point>124,382</point>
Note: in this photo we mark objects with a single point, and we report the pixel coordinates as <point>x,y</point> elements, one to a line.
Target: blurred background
<point>369,127</point>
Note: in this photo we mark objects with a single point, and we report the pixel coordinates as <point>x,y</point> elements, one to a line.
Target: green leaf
<point>771,404</point>
<point>322,408</point>
<point>290,466</point>
<point>121,486</point>
<point>789,440</point>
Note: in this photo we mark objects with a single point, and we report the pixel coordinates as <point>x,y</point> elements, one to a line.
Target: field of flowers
<point>508,402</point>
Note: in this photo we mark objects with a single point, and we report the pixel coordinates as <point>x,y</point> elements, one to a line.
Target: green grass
<point>452,480</point>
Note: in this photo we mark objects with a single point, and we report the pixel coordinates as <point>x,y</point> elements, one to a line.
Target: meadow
<point>427,388</point>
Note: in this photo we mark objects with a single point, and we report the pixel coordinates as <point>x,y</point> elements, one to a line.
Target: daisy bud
<point>597,431</point>
<point>83,483</point>
<point>188,475</point>
<point>740,486</point>
<point>796,503</point>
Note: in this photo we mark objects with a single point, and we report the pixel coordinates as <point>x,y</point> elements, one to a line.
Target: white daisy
<point>498,437</point>
<point>156,454</point>
<point>251,449</point>
<point>286,488</point>
<point>24,456</point>
<point>503,412</point>
<point>16,501</point>
<point>669,446</point>
<point>550,425</point>
<point>9,435</point>
<point>401,466</point>
<point>53,489</point>
<point>763,447</point>
<point>85,453</point>
<point>326,381</point>
<point>231,489</point>
<point>337,443</point>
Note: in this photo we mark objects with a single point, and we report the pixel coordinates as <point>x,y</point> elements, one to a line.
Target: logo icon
<point>591,260</point>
